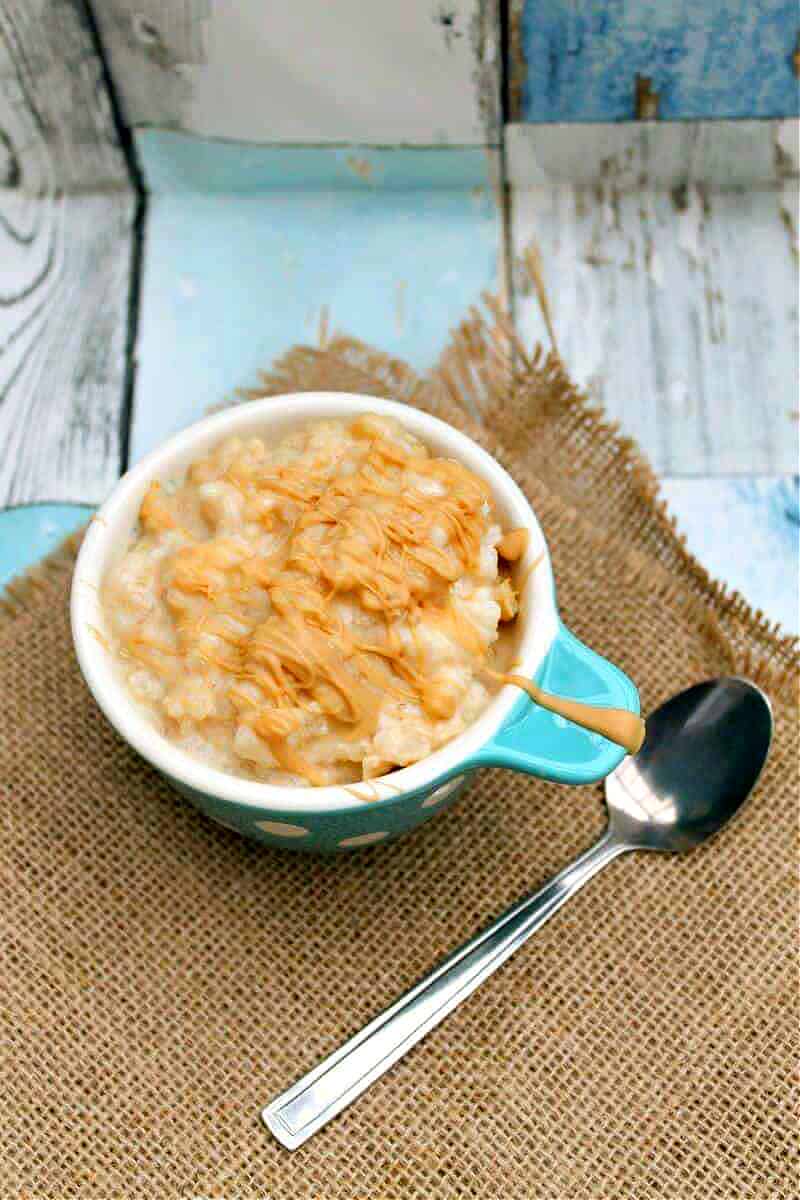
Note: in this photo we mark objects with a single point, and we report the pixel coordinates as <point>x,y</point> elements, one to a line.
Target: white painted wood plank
<point>65,256</point>
<point>638,154</point>
<point>419,72</point>
<point>677,312</point>
<point>63,333</point>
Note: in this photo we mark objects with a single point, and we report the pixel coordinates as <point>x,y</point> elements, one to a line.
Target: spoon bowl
<point>702,755</point>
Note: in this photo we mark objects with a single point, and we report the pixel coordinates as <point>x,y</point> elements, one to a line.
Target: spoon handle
<point>335,1082</point>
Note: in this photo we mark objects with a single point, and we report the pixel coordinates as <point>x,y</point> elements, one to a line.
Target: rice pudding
<point>319,610</point>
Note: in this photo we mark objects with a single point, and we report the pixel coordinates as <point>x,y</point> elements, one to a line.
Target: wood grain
<point>678,312</point>
<point>152,47</point>
<point>63,333</point>
<point>66,211</point>
<point>57,128</point>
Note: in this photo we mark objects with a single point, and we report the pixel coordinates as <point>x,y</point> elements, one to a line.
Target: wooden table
<point>387,182</point>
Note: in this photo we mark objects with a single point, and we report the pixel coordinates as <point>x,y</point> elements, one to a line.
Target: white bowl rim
<point>102,540</point>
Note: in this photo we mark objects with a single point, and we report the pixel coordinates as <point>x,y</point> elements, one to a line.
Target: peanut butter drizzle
<point>371,537</point>
<point>364,537</point>
<point>617,724</point>
<point>513,544</point>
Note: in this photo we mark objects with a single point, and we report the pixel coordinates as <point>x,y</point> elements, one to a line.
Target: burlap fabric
<point>163,978</point>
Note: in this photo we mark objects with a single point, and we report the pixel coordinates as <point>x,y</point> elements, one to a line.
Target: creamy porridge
<point>318,610</point>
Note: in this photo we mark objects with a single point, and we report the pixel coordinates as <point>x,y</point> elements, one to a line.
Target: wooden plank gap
<point>504,198</point>
<point>136,176</point>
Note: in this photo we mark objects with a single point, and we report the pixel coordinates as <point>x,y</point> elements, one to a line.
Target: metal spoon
<point>704,751</point>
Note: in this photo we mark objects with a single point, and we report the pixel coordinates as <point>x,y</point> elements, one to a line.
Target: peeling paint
<point>446,17</point>
<point>654,265</point>
<point>646,99</point>
<point>171,42</point>
<point>786,142</point>
<point>705,313</point>
<point>789,202</point>
<point>361,167</point>
<point>690,224</point>
<point>484,40</point>
<point>715,307</point>
<point>638,154</point>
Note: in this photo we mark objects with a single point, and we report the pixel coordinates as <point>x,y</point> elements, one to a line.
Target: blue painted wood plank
<point>31,531</point>
<point>231,281</point>
<point>732,58</point>
<point>746,532</point>
<point>180,162</point>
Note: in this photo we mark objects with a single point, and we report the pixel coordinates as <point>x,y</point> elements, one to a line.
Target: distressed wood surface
<point>421,72</point>
<point>153,48</point>
<point>718,154</point>
<point>63,332</point>
<point>56,126</point>
<point>66,209</point>
<point>580,61</point>
<point>678,312</point>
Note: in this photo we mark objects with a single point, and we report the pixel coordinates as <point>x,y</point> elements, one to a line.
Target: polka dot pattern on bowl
<point>282,829</point>
<point>365,839</point>
<point>441,793</point>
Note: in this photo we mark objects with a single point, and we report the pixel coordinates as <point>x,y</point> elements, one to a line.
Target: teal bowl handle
<point>538,742</point>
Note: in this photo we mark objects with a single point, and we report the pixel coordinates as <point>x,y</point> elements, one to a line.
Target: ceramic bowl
<point>512,732</point>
